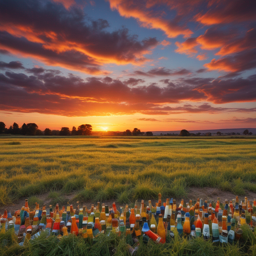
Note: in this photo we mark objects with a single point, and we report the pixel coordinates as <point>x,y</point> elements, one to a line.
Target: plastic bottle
<point>160,228</point>
<point>193,232</point>
<point>179,225</point>
<point>74,228</point>
<point>166,210</point>
<point>199,223</point>
<point>81,218</point>
<point>186,225</point>
<point>97,224</point>
<point>206,228</point>
<point>132,218</point>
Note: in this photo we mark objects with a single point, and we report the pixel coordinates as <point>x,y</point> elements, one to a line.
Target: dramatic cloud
<point>133,81</point>
<point>230,90</point>
<point>11,65</point>
<point>148,17</point>
<point>162,72</point>
<point>213,38</point>
<point>165,43</point>
<point>234,63</point>
<point>46,91</point>
<point>67,37</point>
<point>226,11</point>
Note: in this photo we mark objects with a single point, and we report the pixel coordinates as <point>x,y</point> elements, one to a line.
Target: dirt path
<point>193,193</point>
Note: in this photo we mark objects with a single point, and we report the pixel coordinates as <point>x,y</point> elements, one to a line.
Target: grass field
<point>123,168</point>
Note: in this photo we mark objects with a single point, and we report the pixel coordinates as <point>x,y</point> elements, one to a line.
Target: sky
<point>120,64</point>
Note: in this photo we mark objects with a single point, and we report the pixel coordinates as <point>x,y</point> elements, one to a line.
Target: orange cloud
<point>226,11</point>
<point>187,47</point>
<point>165,43</point>
<point>141,11</point>
<point>71,42</point>
<point>201,56</point>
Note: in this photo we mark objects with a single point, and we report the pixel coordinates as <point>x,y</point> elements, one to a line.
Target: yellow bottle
<point>160,228</point>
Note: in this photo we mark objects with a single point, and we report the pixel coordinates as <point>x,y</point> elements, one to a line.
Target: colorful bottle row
<point>220,223</point>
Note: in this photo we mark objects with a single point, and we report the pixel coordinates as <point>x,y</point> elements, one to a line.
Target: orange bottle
<point>160,228</point>
<point>26,208</point>
<point>224,222</point>
<point>74,228</point>
<point>97,224</point>
<point>132,218</point>
<point>186,225</point>
<point>159,199</point>
<point>199,223</point>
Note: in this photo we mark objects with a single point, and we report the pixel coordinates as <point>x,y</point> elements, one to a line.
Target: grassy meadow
<point>123,168</point>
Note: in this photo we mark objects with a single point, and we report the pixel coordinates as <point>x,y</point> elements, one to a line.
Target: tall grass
<point>124,168</point>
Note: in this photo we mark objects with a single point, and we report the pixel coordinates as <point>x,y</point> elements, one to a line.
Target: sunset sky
<point>120,64</point>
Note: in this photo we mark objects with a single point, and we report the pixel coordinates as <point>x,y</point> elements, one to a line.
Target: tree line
<point>32,129</point>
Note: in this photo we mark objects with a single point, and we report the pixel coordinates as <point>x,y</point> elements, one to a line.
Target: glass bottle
<point>160,228</point>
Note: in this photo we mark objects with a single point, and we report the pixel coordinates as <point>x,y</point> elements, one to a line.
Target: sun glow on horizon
<point>105,128</point>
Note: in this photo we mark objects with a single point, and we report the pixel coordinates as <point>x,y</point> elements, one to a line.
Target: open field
<point>61,169</point>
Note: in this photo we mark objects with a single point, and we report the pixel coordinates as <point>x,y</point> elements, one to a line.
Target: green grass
<point>124,168</point>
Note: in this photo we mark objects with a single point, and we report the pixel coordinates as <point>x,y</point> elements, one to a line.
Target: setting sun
<point>104,128</point>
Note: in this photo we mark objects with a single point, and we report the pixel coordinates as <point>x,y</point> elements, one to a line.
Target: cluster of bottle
<point>221,224</point>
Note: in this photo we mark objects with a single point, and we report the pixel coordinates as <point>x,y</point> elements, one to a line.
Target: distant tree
<point>24,129</point>
<point>219,133</point>
<point>39,132</point>
<point>250,133</point>
<point>10,130</point>
<point>55,132</point>
<point>246,132</point>
<point>198,134</point>
<point>149,133</point>
<point>31,129</point>
<point>84,129</point>
<point>208,134</point>
<point>16,129</point>
<point>184,133</point>
<point>64,131</point>
<point>2,127</point>
<point>74,132</point>
<point>47,132</point>
<point>127,133</point>
<point>136,132</point>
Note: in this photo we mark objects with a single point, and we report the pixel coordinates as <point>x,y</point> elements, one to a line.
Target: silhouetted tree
<point>136,132</point>
<point>128,133</point>
<point>55,132</point>
<point>31,129</point>
<point>149,133</point>
<point>2,127</point>
<point>250,133</point>
<point>39,132</point>
<point>84,129</point>
<point>10,130</point>
<point>184,133</point>
<point>74,130</point>
<point>64,131</point>
<point>246,132</point>
<point>208,134</point>
<point>219,133</point>
<point>16,129</point>
<point>47,132</point>
<point>24,129</point>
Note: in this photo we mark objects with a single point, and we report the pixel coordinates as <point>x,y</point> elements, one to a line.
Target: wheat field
<point>124,168</point>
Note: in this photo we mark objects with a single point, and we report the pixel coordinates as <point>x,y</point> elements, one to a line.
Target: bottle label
<point>215,230</point>
<point>158,240</point>
<point>206,231</point>
<point>137,232</point>
<point>223,239</point>
<point>231,235</point>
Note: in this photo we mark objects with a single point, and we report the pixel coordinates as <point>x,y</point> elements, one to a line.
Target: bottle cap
<point>187,214</point>
<point>206,215</point>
